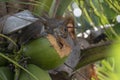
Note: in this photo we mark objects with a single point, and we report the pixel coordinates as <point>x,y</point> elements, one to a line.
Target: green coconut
<point>36,71</point>
<point>6,74</point>
<point>46,53</point>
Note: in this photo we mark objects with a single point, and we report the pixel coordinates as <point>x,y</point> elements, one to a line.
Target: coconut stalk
<point>62,7</point>
<point>42,6</point>
<point>93,54</point>
<point>54,8</point>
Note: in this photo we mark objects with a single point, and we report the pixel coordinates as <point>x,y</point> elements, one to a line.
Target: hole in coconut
<point>60,45</point>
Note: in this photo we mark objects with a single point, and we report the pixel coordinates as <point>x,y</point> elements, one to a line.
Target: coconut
<point>36,71</point>
<point>6,74</point>
<point>2,61</point>
<point>47,52</point>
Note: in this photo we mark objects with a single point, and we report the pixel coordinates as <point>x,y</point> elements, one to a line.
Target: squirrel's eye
<point>65,29</point>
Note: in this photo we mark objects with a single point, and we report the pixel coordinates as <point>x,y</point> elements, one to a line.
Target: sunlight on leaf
<point>108,70</point>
